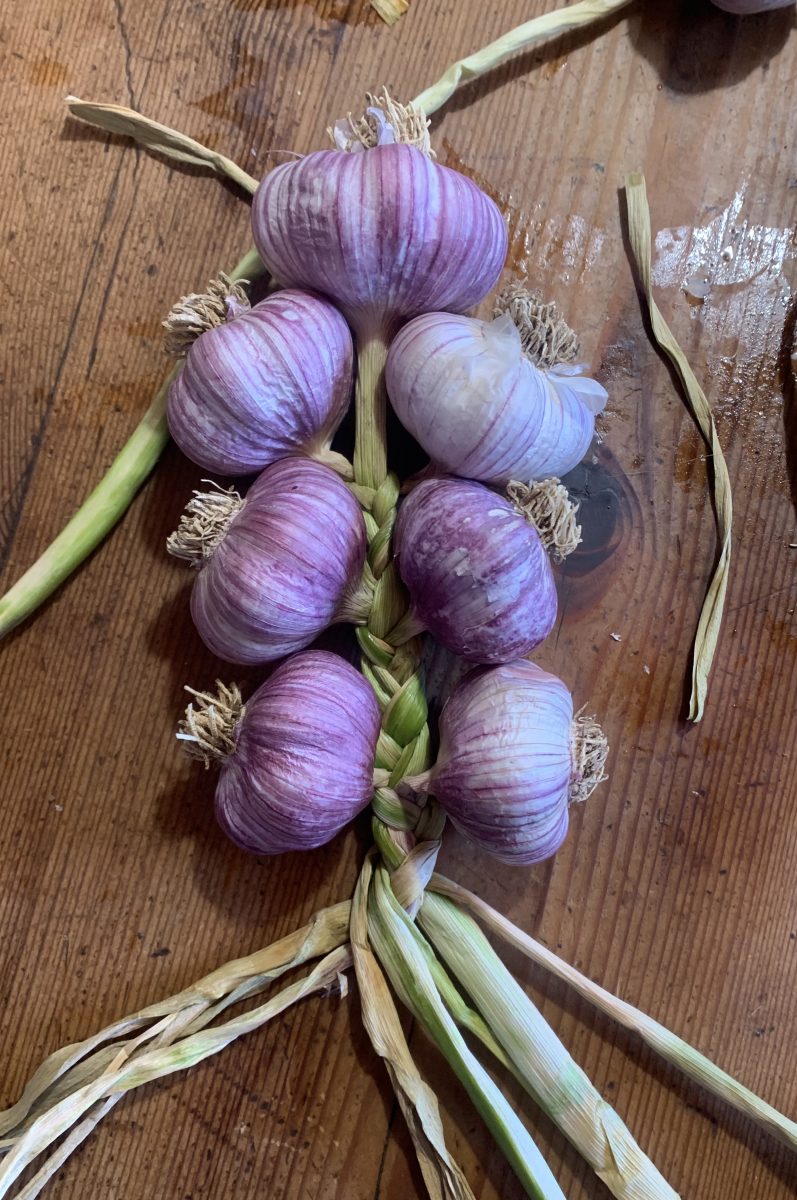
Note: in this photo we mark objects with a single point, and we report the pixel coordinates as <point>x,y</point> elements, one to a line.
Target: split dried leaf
<point>563,20</point>
<point>443,1178</point>
<point>708,628</point>
<point>116,118</point>
<point>75,1065</point>
<point>672,1048</point>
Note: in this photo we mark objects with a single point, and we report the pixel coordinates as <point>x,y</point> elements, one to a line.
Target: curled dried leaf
<point>708,628</point>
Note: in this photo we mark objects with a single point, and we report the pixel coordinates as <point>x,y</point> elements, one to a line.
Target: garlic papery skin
<point>297,759</point>
<point>510,762</point>
<point>745,7</point>
<point>272,382</point>
<point>286,562</point>
<point>386,233</point>
<point>477,573</point>
<point>480,409</point>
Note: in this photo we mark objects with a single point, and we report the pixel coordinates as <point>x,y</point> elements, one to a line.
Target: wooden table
<point>676,887</point>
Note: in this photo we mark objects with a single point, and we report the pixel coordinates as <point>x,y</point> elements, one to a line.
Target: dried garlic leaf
<point>443,1178</point>
<point>711,615</point>
<point>575,16</point>
<point>390,10</point>
<point>116,118</point>
<point>82,1062</point>
<point>76,1111</point>
<point>667,1044</point>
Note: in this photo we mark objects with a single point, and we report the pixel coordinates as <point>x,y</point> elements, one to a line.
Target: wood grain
<point>676,886</point>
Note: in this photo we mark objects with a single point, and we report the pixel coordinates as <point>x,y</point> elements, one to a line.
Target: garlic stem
<point>370,448</point>
<point>106,504</point>
<point>162,139</point>
<point>672,1048</point>
<point>154,1063</point>
<point>400,948</point>
<point>336,462</point>
<point>575,16</point>
<point>548,1072</point>
<point>408,627</point>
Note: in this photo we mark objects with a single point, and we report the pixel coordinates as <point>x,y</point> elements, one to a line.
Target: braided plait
<point>407,833</point>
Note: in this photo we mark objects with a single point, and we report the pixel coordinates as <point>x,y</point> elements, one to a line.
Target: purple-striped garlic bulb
<point>512,759</point>
<point>297,758</point>
<point>386,233</point>
<point>262,383</point>
<point>278,567</point>
<point>480,408</point>
<point>476,570</point>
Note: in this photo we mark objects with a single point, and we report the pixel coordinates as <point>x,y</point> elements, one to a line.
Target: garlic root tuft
<point>547,506</point>
<point>203,525</point>
<point>545,336</point>
<point>409,125</point>
<point>208,728</point>
<point>590,748</point>
<point>197,312</point>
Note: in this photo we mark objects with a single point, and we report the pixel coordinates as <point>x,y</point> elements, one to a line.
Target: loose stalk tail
<point>563,20</point>
<point>543,1064</point>
<point>672,1048</point>
<point>75,1087</point>
<point>708,629</point>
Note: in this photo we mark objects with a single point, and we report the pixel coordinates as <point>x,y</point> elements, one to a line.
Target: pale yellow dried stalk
<point>443,1178</point>
<point>77,1135</point>
<point>124,1074</point>
<point>327,930</point>
<point>117,118</point>
<point>694,1064</point>
<point>390,10</point>
<point>575,16</point>
<point>708,628</point>
<point>545,1067</point>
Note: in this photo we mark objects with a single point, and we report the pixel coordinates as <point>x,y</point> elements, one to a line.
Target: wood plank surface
<point>676,887</point>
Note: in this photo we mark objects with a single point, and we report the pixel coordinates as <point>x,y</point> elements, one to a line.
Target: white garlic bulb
<point>480,409</point>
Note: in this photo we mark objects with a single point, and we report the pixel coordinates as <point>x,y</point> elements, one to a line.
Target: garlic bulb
<point>276,568</point>
<point>477,572</point>
<point>297,759</point>
<point>270,382</point>
<point>480,409</point>
<point>512,759</point>
<point>386,233</point>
